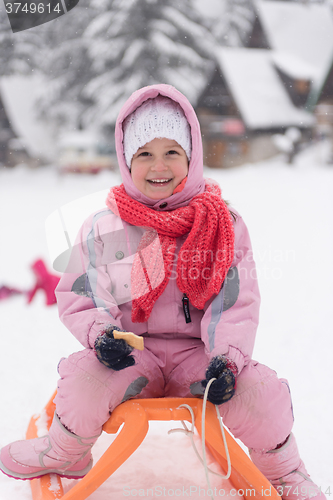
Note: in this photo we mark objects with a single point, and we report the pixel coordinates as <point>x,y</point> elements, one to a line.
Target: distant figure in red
<point>44,281</point>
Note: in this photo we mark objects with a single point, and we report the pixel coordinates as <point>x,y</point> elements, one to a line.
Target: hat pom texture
<point>156,118</point>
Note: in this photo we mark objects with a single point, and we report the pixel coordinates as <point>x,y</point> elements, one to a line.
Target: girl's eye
<point>144,153</point>
<point>172,152</point>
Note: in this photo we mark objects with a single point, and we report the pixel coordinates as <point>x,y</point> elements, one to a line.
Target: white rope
<point>190,433</point>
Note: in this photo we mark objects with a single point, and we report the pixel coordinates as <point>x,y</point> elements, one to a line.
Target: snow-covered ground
<point>289,212</point>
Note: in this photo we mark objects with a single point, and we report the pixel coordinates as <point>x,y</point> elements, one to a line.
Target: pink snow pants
<point>260,413</point>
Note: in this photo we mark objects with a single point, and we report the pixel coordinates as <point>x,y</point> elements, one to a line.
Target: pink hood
<point>195,183</point>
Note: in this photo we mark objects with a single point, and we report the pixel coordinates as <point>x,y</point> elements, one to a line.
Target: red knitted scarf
<point>203,260</point>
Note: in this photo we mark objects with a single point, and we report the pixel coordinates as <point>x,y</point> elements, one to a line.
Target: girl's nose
<point>159,165</point>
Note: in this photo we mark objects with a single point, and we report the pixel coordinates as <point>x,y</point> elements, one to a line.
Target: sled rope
<point>190,432</point>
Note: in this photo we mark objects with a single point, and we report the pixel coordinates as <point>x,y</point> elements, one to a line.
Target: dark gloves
<point>225,371</point>
<point>111,352</point>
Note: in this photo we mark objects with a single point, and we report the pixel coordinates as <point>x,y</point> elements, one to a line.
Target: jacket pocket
<point>120,277</point>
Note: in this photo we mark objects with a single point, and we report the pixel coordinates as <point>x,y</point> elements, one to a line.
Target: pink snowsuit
<point>95,292</point>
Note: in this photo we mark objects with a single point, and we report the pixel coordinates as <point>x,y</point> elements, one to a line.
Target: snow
<point>42,423</point>
<point>263,102</point>
<point>288,210</point>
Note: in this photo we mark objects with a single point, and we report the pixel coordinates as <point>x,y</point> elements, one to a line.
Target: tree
<point>57,51</point>
<point>141,42</point>
<point>233,27</point>
<point>18,52</point>
<point>66,65</point>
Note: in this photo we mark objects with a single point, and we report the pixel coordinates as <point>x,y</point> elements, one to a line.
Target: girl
<point>165,259</point>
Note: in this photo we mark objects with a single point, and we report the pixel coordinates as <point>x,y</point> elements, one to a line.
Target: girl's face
<point>158,167</point>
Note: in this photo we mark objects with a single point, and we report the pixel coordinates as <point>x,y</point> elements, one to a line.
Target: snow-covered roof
<point>303,30</point>
<point>294,66</point>
<point>258,91</point>
<point>19,95</point>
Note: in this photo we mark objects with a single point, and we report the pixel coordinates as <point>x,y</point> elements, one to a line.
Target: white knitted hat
<point>156,118</point>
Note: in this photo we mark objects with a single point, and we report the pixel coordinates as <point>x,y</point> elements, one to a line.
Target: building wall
<point>228,153</point>
<point>261,148</point>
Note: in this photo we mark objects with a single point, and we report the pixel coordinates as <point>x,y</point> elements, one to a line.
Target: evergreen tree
<point>18,51</point>
<point>65,63</point>
<point>56,50</point>
<point>233,27</point>
<point>6,43</point>
<point>95,56</point>
<point>141,42</point>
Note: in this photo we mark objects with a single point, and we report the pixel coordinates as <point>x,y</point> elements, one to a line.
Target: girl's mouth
<point>159,182</point>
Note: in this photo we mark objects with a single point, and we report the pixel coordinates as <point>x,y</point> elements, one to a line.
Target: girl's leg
<point>87,393</point>
<point>60,452</point>
<point>286,471</point>
<point>260,415</point>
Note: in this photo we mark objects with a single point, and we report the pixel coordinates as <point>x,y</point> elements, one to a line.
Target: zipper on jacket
<point>186,308</point>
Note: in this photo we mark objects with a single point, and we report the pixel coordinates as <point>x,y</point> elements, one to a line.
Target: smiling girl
<point>168,260</point>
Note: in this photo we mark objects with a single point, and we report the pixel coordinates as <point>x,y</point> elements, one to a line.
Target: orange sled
<point>135,415</point>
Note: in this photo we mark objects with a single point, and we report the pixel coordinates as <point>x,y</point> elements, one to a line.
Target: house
<point>321,101</point>
<point>324,94</point>
<point>301,35</point>
<point>243,106</point>
<point>268,86</point>
<point>23,137</point>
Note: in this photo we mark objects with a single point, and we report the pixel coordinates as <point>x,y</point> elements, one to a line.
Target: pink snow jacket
<point>95,290</point>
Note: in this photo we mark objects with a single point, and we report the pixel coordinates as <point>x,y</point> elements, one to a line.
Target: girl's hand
<point>225,371</point>
<point>111,352</point>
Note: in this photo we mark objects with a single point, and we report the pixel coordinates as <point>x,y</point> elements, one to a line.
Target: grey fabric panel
<point>135,388</point>
<point>81,286</point>
<point>217,309</point>
<point>197,389</point>
<point>92,271</point>
<point>231,288</point>
<point>226,298</point>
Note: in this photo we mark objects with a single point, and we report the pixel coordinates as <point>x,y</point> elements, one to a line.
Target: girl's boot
<point>285,470</point>
<point>60,452</point>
